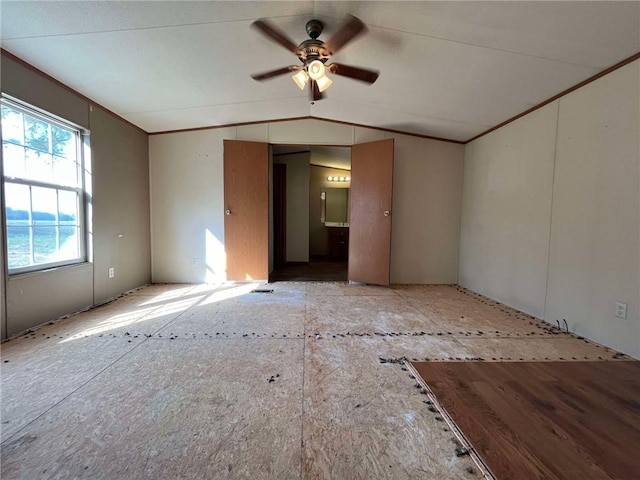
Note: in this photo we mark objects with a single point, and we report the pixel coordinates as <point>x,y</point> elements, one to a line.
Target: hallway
<point>317,270</point>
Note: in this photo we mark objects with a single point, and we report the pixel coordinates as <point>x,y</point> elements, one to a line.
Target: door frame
<point>272,247</point>
<point>279,189</point>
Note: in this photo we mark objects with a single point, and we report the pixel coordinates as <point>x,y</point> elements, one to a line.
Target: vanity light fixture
<point>332,178</point>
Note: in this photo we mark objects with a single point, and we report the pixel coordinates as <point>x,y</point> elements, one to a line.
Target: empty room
<point>320,240</point>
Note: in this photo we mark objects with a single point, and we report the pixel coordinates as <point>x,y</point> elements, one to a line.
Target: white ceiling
<point>448,69</point>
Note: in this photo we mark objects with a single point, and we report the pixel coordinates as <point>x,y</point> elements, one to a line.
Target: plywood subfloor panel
<point>140,314</point>
<point>456,311</point>
<point>551,420</point>
<point>174,409</point>
<point>365,420</point>
<point>372,314</point>
<point>239,313</point>
<point>558,347</point>
<point>327,289</point>
<point>38,372</point>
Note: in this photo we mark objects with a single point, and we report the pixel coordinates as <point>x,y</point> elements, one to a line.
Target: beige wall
<point>187,194</point>
<point>26,85</point>
<point>508,177</point>
<point>550,221</point>
<point>119,204</point>
<point>427,199</point>
<point>187,205</point>
<point>595,225</point>
<point>297,192</point>
<point>121,231</point>
<point>35,298</point>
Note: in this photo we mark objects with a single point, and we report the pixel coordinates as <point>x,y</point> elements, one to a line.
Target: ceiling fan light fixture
<point>314,53</point>
<point>301,78</point>
<point>324,82</point>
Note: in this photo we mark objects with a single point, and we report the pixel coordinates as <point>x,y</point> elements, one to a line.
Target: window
<point>43,188</point>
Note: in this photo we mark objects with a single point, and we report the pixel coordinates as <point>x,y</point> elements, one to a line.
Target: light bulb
<point>324,82</point>
<point>301,79</point>
<point>348,179</point>
<point>342,179</point>
<point>316,69</point>
<point>330,179</point>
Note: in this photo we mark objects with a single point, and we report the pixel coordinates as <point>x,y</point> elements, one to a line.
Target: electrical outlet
<point>194,262</point>
<point>621,310</point>
<point>112,272</point>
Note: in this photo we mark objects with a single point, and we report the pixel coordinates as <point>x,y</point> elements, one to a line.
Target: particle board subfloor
<point>215,381</point>
<point>551,420</point>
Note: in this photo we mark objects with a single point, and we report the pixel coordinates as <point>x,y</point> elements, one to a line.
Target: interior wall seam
<point>464,162</point>
<point>553,183</point>
<point>151,236</point>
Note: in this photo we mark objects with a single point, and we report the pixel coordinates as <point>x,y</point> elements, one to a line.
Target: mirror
<point>337,205</point>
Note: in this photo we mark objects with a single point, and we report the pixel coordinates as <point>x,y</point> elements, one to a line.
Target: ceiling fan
<point>314,53</point>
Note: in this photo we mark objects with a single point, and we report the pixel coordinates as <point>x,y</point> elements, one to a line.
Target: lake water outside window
<point>44,194</point>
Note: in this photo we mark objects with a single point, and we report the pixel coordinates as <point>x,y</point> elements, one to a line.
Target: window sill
<point>49,270</point>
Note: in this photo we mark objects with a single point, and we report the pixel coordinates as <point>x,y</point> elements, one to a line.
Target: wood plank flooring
<point>545,420</point>
<point>316,270</point>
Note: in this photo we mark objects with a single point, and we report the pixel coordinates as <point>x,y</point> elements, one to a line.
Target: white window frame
<point>81,137</point>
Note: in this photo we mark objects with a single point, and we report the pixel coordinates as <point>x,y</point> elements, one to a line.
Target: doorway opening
<point>310,212</point>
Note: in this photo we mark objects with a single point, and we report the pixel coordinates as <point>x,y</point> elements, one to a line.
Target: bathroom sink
<point>336,224</point>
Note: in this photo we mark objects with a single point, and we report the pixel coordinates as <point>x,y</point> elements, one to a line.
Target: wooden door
<point>246,203</point>
<point>370,217</point>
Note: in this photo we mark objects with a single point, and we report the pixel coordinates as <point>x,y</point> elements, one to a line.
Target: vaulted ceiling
<point>447,69</point>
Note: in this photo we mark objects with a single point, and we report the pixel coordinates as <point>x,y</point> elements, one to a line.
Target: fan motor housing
<point>311,50</point>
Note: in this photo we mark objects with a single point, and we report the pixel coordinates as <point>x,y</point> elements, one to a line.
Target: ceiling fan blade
<point>314,92</point>
<point>275,73</point>
<point>357,73</point>
<point>275,34</point>
<point>347,32</point>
